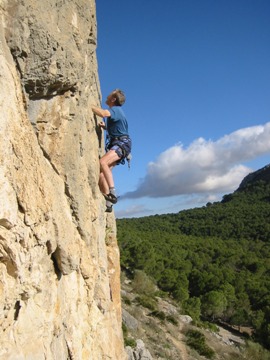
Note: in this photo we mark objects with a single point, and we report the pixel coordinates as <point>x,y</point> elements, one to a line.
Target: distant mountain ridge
<point>245,213</point>
<point>261,174</point>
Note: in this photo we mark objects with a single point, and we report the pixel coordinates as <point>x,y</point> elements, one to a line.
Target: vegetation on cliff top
<point>215,260</point>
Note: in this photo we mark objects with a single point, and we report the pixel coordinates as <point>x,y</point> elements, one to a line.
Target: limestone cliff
<point>59,259</point>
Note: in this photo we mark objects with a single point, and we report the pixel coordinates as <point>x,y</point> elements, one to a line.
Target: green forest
<point>214,261</point>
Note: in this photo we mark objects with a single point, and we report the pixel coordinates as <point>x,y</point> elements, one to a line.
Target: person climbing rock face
<point>118,143</point>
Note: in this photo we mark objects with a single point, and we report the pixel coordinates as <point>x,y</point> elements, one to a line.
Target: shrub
<point>146,301</point>
<point>196,340</point>
<point>158,314</point>
<point>256,352</point>
<point>126,300</point>
<point>161,294</point>
<point>130,342</point>
<point>124,329</point>
<point>210,326</point>
<point>142,284</point>
<point>172,319</point>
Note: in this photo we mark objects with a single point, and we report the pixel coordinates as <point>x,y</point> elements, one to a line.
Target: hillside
<point>213,261</point>
<point>155,329</point>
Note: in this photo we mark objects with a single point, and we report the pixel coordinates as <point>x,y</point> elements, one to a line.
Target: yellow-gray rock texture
<point>59,259</point>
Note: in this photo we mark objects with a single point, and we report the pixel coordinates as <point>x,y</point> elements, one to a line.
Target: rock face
<point>59,259</point>
<point>139,353</point>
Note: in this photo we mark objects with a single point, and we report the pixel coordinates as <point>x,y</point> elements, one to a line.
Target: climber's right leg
<point>106,182</point>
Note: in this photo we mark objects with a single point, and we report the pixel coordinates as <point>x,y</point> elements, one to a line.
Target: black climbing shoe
<point>108,209</point>
<point>110,197</point>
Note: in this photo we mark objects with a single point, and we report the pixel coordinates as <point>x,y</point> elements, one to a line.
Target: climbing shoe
<point>108,209</point>
<point>111,197</point>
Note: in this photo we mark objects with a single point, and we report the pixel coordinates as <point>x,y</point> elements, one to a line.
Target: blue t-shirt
<point>117,123</point>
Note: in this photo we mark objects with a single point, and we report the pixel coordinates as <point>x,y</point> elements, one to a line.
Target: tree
<point>168,280</point>
<point>229,293</point>
<point>180,293</point>
<point>214,304</point>
<point>192,307</point>
<point>239,318</point>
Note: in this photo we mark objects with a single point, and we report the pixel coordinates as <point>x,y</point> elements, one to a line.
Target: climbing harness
<point>122,146</point>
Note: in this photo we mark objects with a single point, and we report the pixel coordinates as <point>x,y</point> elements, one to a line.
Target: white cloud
<point>132,211</point>
<point>205,166</point>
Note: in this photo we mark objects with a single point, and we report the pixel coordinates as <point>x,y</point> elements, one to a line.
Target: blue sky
<point>196,74</point>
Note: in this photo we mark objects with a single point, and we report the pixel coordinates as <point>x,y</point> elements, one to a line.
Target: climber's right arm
<point>100,112</point>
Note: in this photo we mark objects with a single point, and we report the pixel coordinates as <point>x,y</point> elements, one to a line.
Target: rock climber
<point>118,143</point>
